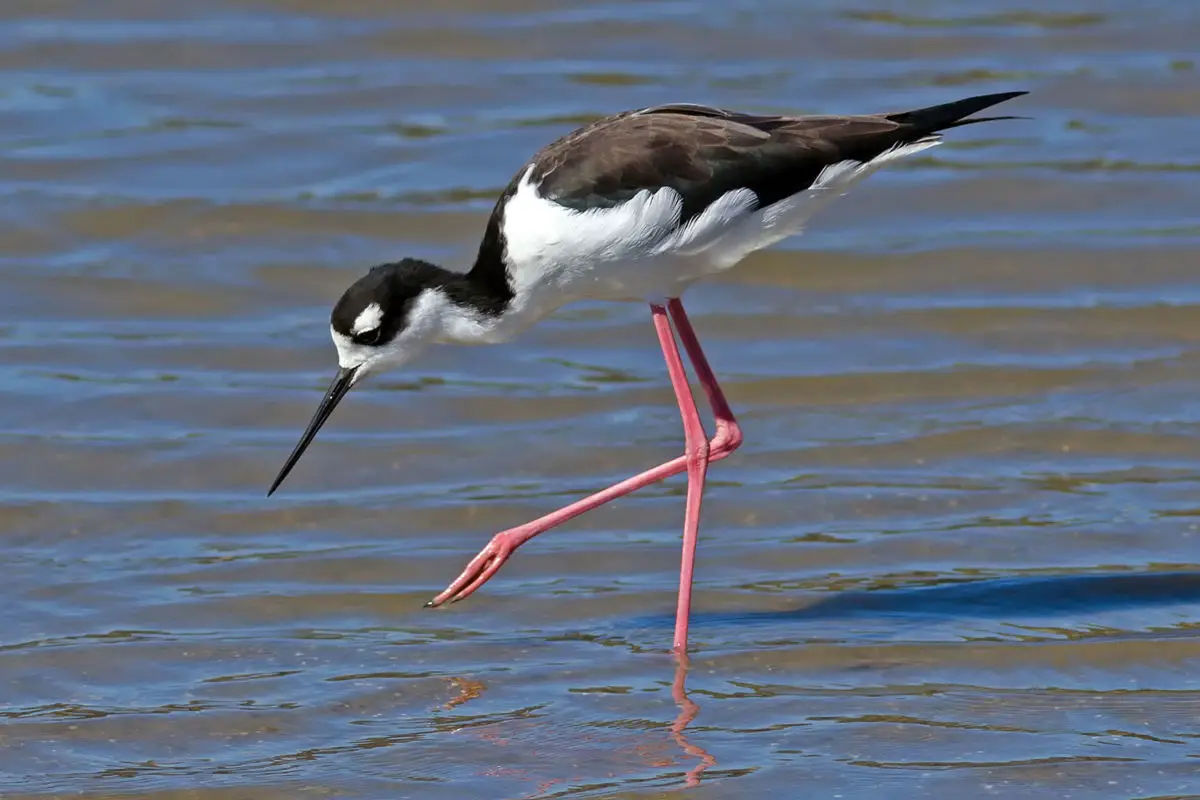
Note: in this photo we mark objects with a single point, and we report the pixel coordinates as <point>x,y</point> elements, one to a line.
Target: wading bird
<point>636,206</point>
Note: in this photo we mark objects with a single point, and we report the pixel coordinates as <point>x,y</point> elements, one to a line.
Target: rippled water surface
<point>956,557</point>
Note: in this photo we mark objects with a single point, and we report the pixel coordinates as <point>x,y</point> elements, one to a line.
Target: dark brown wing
<point>704,152</point>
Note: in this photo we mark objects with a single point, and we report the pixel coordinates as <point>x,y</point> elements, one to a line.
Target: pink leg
<point>729,433</point>
<point>728,437</point>
<point>696,450</point>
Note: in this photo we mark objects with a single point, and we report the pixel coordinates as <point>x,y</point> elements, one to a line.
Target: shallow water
<point>956,556</point>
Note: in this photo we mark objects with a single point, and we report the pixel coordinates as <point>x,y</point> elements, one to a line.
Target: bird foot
<point>480,570</point>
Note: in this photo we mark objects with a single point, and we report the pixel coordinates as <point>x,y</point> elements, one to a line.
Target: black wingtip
<point>973,120</point>
<point>430,604</point>
<point>953,115</point>
<point>1002,96</point>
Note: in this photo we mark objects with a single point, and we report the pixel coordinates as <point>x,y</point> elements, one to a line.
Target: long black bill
<point>337,390</point>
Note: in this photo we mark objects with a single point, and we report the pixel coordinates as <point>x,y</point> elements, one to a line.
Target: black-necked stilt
<point>636,206</point>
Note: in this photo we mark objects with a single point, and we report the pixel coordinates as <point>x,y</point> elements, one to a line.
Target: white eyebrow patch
<point>368,319</point>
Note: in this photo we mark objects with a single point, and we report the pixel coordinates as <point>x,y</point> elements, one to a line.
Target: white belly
<point>638,250</point>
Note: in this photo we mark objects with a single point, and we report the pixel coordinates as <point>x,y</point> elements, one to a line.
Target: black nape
<point>489,275</point>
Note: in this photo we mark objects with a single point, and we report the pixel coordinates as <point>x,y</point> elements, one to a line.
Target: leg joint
<point>727,439</point>
<point>699,451</point>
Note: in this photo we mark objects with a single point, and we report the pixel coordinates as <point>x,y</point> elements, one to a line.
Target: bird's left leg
<point>729,434</point>
<point>694,462</point>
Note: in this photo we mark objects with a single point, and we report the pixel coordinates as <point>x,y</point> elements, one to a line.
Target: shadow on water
<point>995,598</point>
<point>1024,597</point>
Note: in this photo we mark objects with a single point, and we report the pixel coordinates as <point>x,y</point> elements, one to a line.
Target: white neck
<point>461,324</point>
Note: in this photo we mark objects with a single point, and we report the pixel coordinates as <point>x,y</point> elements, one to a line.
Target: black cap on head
<point>375,308</point>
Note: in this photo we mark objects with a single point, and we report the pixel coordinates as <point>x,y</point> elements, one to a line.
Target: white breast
<point>603,253</point>
<point>638,250</point>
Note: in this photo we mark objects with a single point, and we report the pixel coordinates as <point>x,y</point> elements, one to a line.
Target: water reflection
<point>688,710</point>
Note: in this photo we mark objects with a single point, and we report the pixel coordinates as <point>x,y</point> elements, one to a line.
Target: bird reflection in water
<point>467,690</point>
<point>688,710</point>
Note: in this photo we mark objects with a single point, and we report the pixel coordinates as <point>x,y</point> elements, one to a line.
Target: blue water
<point>956,556</point>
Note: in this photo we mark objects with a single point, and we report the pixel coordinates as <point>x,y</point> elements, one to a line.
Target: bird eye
<point>370,337</point>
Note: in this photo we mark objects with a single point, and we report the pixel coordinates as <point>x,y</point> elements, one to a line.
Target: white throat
<point>433,319</point>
